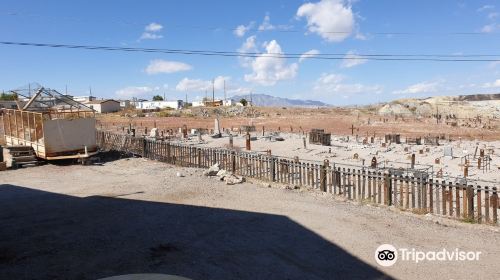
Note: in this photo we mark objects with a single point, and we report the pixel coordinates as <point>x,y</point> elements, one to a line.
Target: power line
<point>347,56</point>
<point>278,28</point>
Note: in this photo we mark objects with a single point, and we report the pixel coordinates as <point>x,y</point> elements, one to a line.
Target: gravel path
<point>137,216</point>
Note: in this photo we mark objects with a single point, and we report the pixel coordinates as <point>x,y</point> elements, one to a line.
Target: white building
<point>125,104</point>
<point>84,99</point>
<point>8,104</point>
<point>198,104</point>
<point>227,103</point>
<point>104,106</point>
<point>152,105</point>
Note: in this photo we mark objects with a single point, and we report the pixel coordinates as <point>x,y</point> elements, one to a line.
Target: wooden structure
<point>414,141</point>
<point>17,156</point>
<point>393,138</point>
<point>247,128</point>
<point>319,137</point>
<point>53,135</point>
<point>419,193</point>
<point>54,125</point>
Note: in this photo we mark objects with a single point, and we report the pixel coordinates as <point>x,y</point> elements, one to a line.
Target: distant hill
<point>462,106</point>
<point>265,100</point>
<point>479,97</point>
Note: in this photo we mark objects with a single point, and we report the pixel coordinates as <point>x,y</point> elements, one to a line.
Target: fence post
<point>494,204</point>
<point>273,172</point>
<point>233,161</point>
<point>470,202</point>
<point>144,147</point>
<point>387,188</point>
<point>169,158</point>
<point>199,157</point>
<point>323,175</point>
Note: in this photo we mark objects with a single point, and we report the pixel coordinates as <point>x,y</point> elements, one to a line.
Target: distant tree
<point>243,102</point>
<point>8,97</point>
<point>157,98</point>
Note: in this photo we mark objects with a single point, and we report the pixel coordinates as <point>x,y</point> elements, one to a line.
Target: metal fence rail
<point>472,203</point>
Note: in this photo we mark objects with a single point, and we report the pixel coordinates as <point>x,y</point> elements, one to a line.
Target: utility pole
<point>251,98</point>
<point>186,98</point>
<point>213,92</point>
<point>437,114</point>
<point>90,90</point>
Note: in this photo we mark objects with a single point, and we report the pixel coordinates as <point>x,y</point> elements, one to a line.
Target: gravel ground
<point>343,151</point>
<point>136,216</point>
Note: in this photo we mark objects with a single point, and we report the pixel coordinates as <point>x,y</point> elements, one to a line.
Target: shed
<point>104,106</point>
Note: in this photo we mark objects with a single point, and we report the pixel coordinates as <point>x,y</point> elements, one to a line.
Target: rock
<point>180,174</point>
<point>212,171</point>
<point>233,179</point>
<point>266,185</point>
<point>223,173</point>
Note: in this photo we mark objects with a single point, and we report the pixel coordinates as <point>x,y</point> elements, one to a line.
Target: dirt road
<point>137,216</point>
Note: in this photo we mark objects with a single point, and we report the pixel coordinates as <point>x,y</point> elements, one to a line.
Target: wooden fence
<point>472,203</point>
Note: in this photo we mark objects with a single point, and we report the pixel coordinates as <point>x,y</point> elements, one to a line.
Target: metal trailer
<point>53,135</point>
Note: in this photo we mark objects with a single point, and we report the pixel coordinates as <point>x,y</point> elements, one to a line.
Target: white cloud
<point>238,90</point>
<point>308,54</point>
<point>153,27</point>
<point>333,20</point>
<point>150,36</point>
<point>163,66</point>
<point>495,84</point>
<point>492,16</point>
<point>241,30</point>
<point>489,28</point>
<point>269,68</point>
<point>151,32</point>
<point>249,46</point>
<point>187,84</point>
<point>351,59</point>
<point>133,91</point>
<point>266,24</point>
<point>334,84</point>
<point>423,87</point>
<point>485,7</point>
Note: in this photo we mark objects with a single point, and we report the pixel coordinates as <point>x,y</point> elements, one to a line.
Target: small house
<point>104,106</point>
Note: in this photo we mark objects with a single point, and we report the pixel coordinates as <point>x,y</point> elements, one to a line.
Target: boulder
<point>212,171</point>
<point>233,179</point>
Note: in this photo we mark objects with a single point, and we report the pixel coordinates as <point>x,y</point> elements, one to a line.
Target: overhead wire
<point>337,56</point>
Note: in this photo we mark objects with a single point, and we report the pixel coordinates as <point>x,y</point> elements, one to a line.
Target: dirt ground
<point>394,155</point>
<point>338,121</point>
<point>136,216</point>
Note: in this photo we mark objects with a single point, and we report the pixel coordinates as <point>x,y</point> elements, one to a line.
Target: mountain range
<point>265,100</point>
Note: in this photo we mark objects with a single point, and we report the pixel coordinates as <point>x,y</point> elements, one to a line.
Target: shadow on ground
<point>52,236</point>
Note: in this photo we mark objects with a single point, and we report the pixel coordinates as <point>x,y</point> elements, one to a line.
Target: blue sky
<point>279,26</point>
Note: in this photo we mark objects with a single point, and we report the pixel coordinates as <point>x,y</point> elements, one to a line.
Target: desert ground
<point>337,121</point>
<point>349,127</point>
<point>343,151</point>
<point>132,215</point>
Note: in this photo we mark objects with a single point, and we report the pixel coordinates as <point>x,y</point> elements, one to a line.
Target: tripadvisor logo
<point>387,255</point>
